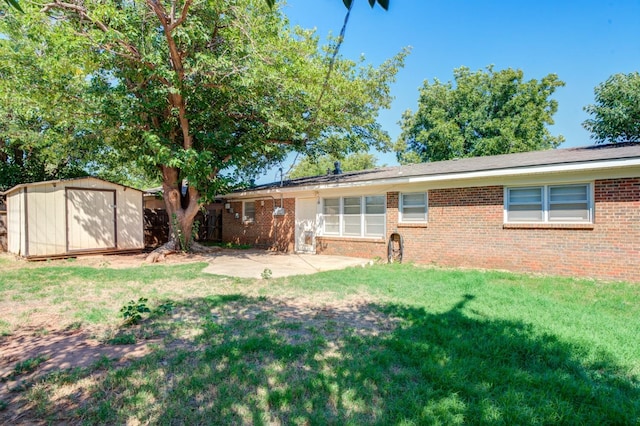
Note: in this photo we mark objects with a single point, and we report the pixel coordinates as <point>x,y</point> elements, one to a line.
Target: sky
<point>583,42</point>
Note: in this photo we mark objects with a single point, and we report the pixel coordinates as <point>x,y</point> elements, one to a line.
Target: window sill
<point>577,226</point>
<point>351,239</point>
<point>412,225</point>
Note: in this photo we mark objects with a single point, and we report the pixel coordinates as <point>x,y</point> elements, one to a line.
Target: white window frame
<point>245,217</point>
<point>425,218</point>
<point>363,217</point>
<point>546,203</point>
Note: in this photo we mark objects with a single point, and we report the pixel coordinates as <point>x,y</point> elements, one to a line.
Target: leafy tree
<point>36,129</point>
<point>315,166</point>
<point>485,113</point>
<point>617,110</point>
<point>202,93</point>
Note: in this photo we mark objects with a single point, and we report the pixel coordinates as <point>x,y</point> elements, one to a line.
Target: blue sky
<point>583,42</point>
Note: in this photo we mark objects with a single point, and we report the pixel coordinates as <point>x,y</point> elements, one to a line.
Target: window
<point>413,207</point>
<point>331,214</point>
<point>525,205</point>
<point>549,203</point>
<point>248,211</point>
<point>355,216</point>
<point>374,218</point>
<point>351,219</point>
<point>569,203</point>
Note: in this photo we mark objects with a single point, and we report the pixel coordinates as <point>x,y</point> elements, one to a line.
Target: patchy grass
<point>228,245</point>
<point>389,344</point>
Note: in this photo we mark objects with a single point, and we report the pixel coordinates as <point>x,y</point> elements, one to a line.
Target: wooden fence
<point>156,226</point>
<point>3,230</point>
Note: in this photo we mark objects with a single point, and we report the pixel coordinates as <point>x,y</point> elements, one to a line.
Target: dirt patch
<point>116,261</point>
<point>55,350</point>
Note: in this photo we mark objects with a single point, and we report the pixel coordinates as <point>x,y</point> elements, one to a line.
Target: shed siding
<point>15,223</point>
<point>44,215</point>
<point>130,226</point>
<point>38,221</point>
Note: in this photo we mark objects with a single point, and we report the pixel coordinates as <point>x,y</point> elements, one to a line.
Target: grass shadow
<point>243,360</point>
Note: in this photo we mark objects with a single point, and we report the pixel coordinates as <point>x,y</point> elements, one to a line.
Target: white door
<point>91,220</point>
<point>306,225</point>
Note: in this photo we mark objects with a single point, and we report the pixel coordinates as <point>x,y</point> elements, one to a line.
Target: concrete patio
<point>252,263</point>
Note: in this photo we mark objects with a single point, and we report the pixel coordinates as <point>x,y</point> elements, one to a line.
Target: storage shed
<point>74,216</point>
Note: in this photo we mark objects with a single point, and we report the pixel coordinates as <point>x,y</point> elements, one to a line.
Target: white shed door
<point>91,219</point>
<point>306,225</point>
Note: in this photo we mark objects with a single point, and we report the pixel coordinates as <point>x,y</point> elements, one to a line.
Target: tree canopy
<point>207,92</point>
<point>47,119</point>
<point>315,166</point>
<point>616,112</point>
<point>38,138</point>
<point>484,113</point>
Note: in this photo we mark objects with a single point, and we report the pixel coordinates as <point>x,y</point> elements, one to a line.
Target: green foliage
<point>165,307</point>
<point>14,4</point>
<point>315,166</point>
<point>266,274</point>
<point>229,245</point>
<point>132,311</point>
<point>209,93</point>
<point>28,365</point>
<point>616,113</point>
<point>122,339</point>
<point>484,113</point>
<point>49,120</point>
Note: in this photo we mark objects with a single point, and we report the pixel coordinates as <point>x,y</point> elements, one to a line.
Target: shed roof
<point>524,160</point>
<point>47,182</point>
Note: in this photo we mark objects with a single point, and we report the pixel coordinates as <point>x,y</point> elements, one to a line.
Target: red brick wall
<point>267,231</point>
<point>466,229</point>
<point>354,247</point>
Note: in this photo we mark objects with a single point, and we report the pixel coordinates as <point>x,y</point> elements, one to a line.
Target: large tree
<point>46,132</point>
<point>37,133</point>
<point>616,113</point>
<point>484,113</point>
<point>202,93</point>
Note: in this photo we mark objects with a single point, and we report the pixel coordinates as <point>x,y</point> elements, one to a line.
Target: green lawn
<point>387,344</point>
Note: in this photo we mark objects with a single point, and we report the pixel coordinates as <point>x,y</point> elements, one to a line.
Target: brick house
<point>569,212</point>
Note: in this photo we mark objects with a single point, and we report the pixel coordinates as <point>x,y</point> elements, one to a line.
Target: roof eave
<point>453,176</point>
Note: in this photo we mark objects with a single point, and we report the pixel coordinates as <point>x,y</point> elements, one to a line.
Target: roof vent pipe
<point>337,170</point>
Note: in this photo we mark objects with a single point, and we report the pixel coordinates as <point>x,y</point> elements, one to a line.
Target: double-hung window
<point>354,216</point>
<point>249,211</point>
<point>549,204</point>
<point>413,207</point>
<point>331,215</point>
<point>374,217</point>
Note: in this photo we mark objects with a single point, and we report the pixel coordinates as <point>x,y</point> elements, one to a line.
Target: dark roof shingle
<point>549,157</point>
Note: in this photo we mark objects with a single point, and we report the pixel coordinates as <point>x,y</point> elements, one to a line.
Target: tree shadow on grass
<point>241,360</point>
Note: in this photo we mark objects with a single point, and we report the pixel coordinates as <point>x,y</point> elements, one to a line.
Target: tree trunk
<point>182,209</point>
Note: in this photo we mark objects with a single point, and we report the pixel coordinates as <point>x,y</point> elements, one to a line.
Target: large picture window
<point>549,203</point>
<point>354,216</point>
<point>413,207</point>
